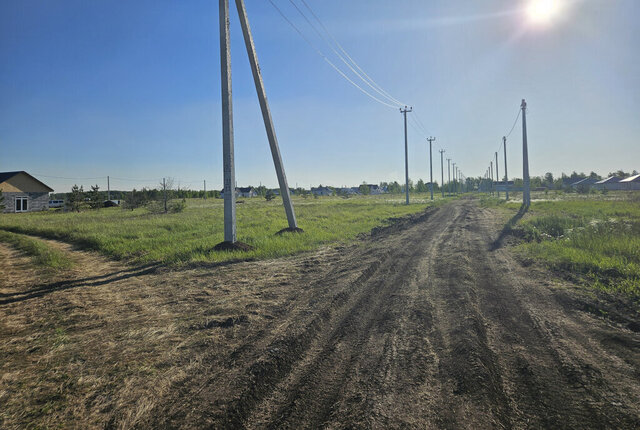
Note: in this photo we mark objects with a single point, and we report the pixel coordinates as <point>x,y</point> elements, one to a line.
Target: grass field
<point>189,236</point>
<point>595,238</point>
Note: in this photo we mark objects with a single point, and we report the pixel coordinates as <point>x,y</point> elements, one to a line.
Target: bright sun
<point>542,11</point>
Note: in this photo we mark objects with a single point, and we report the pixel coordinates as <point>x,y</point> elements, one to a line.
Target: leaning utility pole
<point>506,177</point>
<point>229,171</point>
<point>266,114</point>
<point>497,175</point>
<point>431,139</point>
<point>526,191</point>
<point>442,172</point>
<point>449,177</point>
<point>406,153</point>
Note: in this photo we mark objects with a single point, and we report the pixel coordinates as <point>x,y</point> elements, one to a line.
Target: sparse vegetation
<point>190,236</point>
<point>42,254</point>
<point>595,239</point>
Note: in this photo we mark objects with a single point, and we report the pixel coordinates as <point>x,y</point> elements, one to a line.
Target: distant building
<point>374,189</point>
<point>242,192</point>
<point>631,183</point>
<point>611,183</point>
<point>584,183</point>
<point>247,192</point>
<point>23,193</point>
<point>322,191</point>
<point>502,186</point>
<point>346,191</point>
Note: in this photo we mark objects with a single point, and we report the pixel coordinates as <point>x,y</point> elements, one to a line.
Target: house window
<point>21,204</point>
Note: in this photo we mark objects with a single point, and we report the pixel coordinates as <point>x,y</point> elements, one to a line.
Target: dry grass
<point>103,346</point>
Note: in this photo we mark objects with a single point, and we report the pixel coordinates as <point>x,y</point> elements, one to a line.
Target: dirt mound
<point>232,246</point>
<point>290,230</point>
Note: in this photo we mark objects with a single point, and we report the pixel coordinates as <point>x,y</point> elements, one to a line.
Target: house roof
<point>610,180</point>
<point>244,189</point>
<point>635,178</point>
<point>5,176</point>
<point>585,181</point>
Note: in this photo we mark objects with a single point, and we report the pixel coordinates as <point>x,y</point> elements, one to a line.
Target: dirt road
<point>423,325</point>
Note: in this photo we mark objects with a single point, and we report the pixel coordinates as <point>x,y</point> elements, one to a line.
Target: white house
<point>242,192</point>
<point>247,192</point>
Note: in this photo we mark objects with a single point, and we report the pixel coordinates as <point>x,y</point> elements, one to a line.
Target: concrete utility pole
<point>406,152</point>
<point>431,139</point>
<point>449,177</point>
<point>205,189</point>
<point>453,168</point>
<point>108,189</point>
<point>506,177</point>
<point>497,175</point>
<point>442,172</point>
<point>164,189</point>
<point>491,164</point>
<point>266,114</point>
<point>526,191</point>
<point>229,172</point>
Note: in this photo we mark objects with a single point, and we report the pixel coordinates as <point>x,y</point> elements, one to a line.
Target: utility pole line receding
<point>431,139</point>
<point>453,168</point>
<point>442,172</point>
<point>526,191</point>
<point>229,173</point>
<point>449,177</point>
<point>406,153</point>
<point>491,169</point>
<point>506,177</point>
<point>266,115</point>
<point>497,175</point>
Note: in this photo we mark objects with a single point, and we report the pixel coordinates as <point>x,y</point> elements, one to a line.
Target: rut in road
<point>423,326</point>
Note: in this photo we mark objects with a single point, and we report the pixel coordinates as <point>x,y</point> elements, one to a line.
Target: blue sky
<point>132,90</point>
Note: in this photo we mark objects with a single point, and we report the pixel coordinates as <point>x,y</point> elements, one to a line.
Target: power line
<point>369,81</point>
<point>324,57</point>
<point>417,118</point>
<point>514,124</point>
<point>70,179</point>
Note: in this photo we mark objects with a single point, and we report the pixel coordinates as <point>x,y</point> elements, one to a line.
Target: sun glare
<point>542,11</point>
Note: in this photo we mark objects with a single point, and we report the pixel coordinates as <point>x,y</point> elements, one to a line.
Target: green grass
<point>189,236</point>
<point>596,239</point>
<point>41,253</point>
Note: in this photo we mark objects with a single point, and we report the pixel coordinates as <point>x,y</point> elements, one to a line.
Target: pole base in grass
<point>290,230</point>
<point>232,246</point>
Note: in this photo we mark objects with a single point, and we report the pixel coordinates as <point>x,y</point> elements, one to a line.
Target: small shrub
<point>269,195</point>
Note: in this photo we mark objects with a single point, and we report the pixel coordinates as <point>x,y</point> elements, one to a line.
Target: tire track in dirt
<point>423,325</point>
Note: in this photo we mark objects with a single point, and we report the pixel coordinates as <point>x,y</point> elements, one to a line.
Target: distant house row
<point>249,192</point>
<point>615,183</point>
<point>612,183</point>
